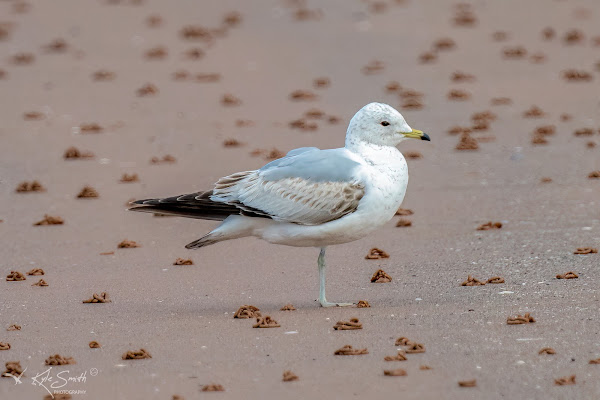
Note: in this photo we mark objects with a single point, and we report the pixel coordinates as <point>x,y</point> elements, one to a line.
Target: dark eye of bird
<point>385,123</point>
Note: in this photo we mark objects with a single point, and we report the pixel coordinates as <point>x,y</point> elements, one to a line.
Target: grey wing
<point>308,186</point>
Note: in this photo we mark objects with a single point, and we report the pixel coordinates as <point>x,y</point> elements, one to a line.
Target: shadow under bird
<point>310,197</point>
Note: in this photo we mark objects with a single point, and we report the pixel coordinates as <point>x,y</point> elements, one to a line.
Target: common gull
<point>310,197</point>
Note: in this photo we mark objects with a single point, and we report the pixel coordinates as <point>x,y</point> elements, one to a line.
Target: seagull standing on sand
<point>310,197</point>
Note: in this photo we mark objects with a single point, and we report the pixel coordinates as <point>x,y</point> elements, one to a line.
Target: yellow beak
<point>416,134</point>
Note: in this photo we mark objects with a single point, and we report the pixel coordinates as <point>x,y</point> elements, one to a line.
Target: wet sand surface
<point>183,314</point>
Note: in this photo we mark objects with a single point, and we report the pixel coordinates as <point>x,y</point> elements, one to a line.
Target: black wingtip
<point>146,202</point>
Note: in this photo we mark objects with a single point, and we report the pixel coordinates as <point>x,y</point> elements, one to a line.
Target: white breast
<point>386,185</point>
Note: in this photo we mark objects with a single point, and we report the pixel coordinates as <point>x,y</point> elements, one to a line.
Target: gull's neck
<point>375,154</point>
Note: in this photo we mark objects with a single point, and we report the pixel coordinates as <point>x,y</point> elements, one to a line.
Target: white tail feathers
<point>205,240</point>
<point>233,227</point>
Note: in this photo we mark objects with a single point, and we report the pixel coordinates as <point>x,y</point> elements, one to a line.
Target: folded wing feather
<point>308,186</point>
<point>295,200</point>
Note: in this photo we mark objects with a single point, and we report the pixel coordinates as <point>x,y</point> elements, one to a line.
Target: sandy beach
<point>181,93</point>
